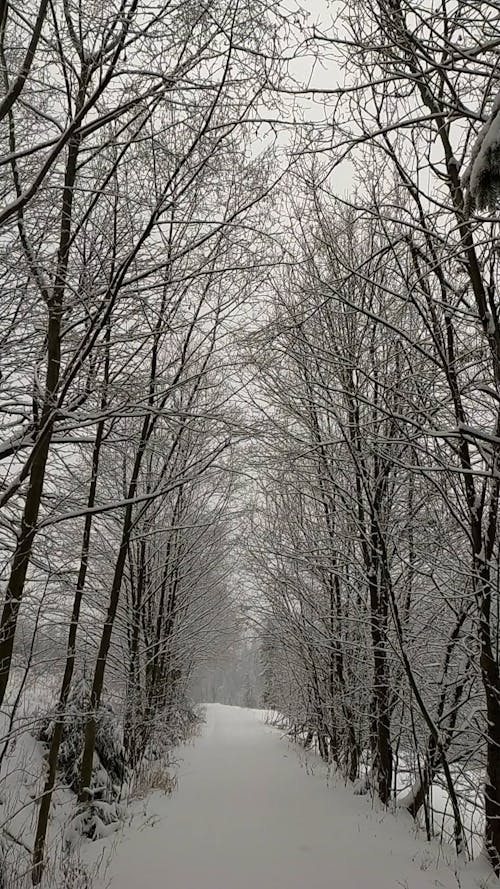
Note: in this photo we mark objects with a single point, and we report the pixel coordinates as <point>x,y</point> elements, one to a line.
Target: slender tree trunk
<point>85,793</point>
<point>53,757</point>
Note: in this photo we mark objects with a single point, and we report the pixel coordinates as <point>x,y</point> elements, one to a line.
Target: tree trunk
<point>381,690</point>
<point>53,757</point>
<point>22,554</point>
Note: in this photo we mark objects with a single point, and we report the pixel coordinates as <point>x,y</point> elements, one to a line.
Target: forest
<point>249,404</point>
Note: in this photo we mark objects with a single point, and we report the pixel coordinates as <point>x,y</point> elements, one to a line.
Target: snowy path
<point>246,815</point>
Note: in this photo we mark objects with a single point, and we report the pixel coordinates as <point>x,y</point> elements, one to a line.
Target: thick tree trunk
<point>384,760</point>
<point>135,722</point>
<point>21,560</point>
<point>22,555</point>
<point>381,689</point>
<point>492,785</point>
<point>353,769</point>
<point>491,683</point>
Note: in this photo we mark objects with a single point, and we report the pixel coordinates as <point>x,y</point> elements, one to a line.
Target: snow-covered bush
<point>109,768</point>
<point>109,746</point>
<point>171,727</point>
<point>94,820</point>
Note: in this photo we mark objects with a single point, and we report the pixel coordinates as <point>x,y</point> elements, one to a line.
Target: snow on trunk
<point>482,177</point>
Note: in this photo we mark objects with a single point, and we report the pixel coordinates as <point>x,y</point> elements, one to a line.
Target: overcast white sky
<point>323,74</point>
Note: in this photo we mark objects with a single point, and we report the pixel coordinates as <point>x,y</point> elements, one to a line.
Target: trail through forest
<point>248,813</point>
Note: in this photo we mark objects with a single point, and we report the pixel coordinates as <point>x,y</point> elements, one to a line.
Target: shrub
<point>109,769</point>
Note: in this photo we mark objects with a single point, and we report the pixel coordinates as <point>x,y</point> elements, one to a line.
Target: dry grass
<point>194,729</point>
<point>159,774</point>
<point>153,777</point>
<point>61,870</point>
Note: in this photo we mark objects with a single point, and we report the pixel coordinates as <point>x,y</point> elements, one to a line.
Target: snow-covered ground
<point>249,813</point>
